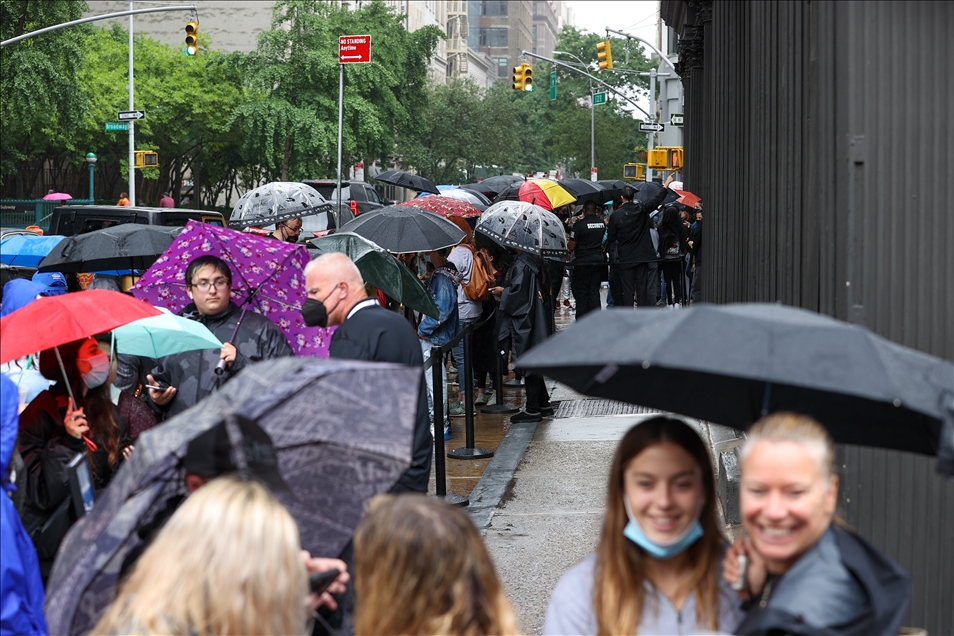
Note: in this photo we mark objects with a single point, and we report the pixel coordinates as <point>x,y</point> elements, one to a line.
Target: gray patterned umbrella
<point>342,431</point>
<point>524,226</point>
<point>276,202</point>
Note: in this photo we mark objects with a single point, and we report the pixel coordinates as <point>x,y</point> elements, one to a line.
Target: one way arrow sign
<point>131,115</point>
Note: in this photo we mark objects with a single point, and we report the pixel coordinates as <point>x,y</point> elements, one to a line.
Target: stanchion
<point>469,451</point>
<point>440,470</point>
<point>499,408</point>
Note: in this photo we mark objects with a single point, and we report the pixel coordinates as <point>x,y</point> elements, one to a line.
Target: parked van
<point>68,220</point>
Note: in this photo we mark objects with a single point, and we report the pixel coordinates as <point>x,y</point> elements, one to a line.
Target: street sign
<point>354,49</point>
<point>677,119</point>
<point>552,85</point>
<point>599,98</point>
<point>117,125</point>
<point>644,127</point>
<point>130,115</point>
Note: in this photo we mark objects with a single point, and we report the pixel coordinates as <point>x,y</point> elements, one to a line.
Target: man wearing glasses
<point>186,378</point>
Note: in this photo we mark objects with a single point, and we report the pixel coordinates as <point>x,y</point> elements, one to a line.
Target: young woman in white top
<point>656,569</point>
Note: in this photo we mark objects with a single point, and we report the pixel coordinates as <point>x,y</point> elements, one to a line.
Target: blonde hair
<point>422,568</point>
<point>227,562</point>
<point>619,591</point>
<point>795,428</point>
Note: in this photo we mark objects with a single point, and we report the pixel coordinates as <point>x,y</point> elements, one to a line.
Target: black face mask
<point>314,312</point>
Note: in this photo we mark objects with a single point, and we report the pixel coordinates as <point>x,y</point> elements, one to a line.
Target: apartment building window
<point>493,36</point>
<point>493,7</point>
<point>503,68</point>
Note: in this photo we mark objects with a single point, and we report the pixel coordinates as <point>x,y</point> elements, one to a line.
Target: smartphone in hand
<point>319,582</point>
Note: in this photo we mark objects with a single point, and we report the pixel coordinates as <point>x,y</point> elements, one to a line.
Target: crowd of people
<point>419,565</point>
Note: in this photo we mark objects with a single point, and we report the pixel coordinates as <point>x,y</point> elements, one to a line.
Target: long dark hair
<point>619,591</point>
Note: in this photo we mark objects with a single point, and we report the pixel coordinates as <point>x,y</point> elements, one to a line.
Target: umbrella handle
<point>220,367</point>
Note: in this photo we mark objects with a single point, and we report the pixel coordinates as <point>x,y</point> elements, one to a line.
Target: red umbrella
<point>687,198</point>
<point>53,321</point>
<point>445,206</point>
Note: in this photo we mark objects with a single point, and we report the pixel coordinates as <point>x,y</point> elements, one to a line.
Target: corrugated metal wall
<point>819,136</point>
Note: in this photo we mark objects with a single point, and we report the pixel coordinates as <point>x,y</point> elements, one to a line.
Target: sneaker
<point>447,431</point>
<point>482,398</point>
<point>547,411</point>
<point>456,409</point>
<point>677,306</point>
<point>524,416</point>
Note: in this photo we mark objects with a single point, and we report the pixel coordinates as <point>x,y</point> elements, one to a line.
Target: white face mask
<point>98,372</point>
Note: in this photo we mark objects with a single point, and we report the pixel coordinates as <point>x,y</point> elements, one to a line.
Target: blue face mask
<point>634,532</point>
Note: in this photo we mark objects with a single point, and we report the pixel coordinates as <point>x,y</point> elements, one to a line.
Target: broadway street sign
<point>117,125</point>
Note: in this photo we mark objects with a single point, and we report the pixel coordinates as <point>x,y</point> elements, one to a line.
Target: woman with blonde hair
<point>806,574</point>
<point>227,563</point>
<point>421,567</point>
<point>656,568</point>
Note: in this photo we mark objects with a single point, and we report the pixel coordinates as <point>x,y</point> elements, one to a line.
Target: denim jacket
<point>443,291</point>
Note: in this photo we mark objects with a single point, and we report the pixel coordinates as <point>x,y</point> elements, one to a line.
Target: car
<point>69,220</point>
<point>357,197</point>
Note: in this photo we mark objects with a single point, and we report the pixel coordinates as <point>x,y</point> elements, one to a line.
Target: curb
<point>492,486</point>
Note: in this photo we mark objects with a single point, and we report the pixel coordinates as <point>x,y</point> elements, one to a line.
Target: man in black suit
<point>367,331</point>
<point>629,225</point>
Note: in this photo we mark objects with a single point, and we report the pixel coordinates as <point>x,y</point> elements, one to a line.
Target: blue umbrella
<point>25,250</point>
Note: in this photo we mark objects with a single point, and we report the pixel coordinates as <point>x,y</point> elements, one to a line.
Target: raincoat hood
<point>18,293</point>
<point>9,422</point>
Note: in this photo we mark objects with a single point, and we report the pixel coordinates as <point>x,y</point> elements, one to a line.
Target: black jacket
<point>379,335</point>
<point>629,227</point>
<point>524,319</point>
<point>193,372</point>
<point>842,585</point>
<point>695,235</point>
<point>672,232</point>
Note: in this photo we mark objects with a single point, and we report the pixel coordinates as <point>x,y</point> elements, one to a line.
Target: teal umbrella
<point>381,269</point>
<point>163,335</point>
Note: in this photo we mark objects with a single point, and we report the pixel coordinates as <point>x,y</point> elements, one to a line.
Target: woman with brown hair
<point>422,568</point>
<point>656,568</point>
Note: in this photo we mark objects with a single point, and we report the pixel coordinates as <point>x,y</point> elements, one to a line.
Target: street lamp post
<point>592,114</point>
<point>91,160</point>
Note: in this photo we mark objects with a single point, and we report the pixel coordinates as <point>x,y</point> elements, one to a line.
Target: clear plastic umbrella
<point>524,226</point>
<point>276,202</point>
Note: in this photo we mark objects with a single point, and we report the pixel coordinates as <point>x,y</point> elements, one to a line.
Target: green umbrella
<point>381,269</point>
<point>163,335</point>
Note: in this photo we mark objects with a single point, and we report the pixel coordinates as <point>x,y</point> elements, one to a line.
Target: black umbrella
<point>612,188</point>
<point>408,180</point>
<point>729,364</point>
<point>403,229</point>
<point>492,186</point>
<point>342,431</point>
<point>647,190</point>
<point>584,190</point>
<point>510,192</point>
<point>125,246</point>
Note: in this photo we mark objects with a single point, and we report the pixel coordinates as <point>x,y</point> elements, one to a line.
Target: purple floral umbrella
<point>268,269</point>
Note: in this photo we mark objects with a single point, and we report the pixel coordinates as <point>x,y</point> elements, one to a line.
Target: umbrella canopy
<point>55,320</point>
<point>380,269</point>
<point>687,198</point>
<point>524,226</point>
<point>443,205</point>
<point>647,190</point>
<point>509,193</point>
<point>545,193</point>
<point>26,250</point>
<point>584,190</point>
<point>473,197</point>
<point>163,335</point>
<point>404,229</point>
<point>128,246</point>
<point>492,186</point>
<point>408,180</point>
<point>612,188</point>
<point>58,196</point>
<point>276,202</point>
<point>270,268</point>
<point>730,363</point>
<point>342,431</point>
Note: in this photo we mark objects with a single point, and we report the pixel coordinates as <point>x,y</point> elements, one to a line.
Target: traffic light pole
<point>592,117</point>
<point>611,89</point>
<point>132,124</point>
<point>95,18</point>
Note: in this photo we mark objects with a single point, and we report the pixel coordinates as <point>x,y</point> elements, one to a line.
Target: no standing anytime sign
<point>354,49</point>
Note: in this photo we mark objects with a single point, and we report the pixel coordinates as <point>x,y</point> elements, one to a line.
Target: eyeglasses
<point>204,285</point>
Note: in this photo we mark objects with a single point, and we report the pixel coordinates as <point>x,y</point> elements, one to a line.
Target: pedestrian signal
<point>675,158</point>
<point>192,38</point>
<point>147,159</point>
<point>656,158</point>
<point>634,172</point>
<point>522,78</point>
<point>604,53</point>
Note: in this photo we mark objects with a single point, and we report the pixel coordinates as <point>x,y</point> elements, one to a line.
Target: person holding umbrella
<point>806,573</point>
<point>288,230</point>
<point>183,379</point>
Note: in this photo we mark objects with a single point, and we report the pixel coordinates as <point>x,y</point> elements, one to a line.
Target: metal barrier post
<point>469,451</point>
<point>499,408</point>
<point>440,470</point>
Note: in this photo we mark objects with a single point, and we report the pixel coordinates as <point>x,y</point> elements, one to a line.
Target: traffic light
<point>656,158</point>
<point>604,53</point>
<point>147,159</point>
<point>192,38</point>
<point>634,172</point>
<point>675,158</point>
<point>522,78</point>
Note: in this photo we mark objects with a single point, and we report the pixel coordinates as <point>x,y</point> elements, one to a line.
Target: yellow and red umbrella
<point>547,194</point>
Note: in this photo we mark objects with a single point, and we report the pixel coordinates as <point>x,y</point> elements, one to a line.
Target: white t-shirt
<point>463,260</point>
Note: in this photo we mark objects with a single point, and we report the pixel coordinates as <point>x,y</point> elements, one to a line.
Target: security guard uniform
<point>587,235</point>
